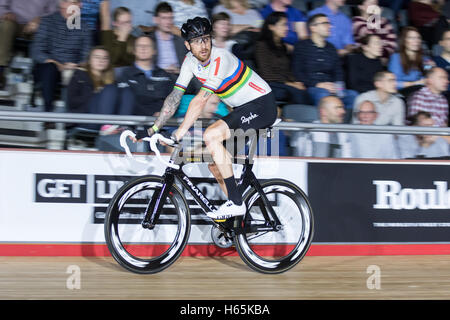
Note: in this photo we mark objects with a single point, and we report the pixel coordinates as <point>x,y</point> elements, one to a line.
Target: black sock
<point>232,189</point>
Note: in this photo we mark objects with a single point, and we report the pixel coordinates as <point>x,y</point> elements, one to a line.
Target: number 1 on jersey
<point>217,61</point>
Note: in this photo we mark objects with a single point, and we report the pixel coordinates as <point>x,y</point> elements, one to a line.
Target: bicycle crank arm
<point>255,229</point>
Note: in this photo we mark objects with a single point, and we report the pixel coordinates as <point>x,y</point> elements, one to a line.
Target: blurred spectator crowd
<point>365,62</point>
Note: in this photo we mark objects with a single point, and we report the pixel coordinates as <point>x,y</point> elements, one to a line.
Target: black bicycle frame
<point>247,179</point>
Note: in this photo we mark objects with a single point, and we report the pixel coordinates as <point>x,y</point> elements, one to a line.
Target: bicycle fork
<point>154,207</point>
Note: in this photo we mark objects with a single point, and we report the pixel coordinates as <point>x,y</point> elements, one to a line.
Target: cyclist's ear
<point>187,45</point>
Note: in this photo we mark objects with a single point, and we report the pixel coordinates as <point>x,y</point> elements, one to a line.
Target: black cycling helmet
<point>196,27</point>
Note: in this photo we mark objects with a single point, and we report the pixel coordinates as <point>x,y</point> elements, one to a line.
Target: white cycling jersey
<point>224,75</point>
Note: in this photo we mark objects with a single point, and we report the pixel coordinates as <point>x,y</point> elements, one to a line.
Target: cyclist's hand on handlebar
<point>142,133</point>
<point>169,136</point>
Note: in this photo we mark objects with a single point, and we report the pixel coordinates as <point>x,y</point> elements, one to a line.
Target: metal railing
<point>83,118</point>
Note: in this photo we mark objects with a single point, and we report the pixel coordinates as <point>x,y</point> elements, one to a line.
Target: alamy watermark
<point>242,145</point>
<point>374,19</point>
<point>73,20</point>
<point>374,280</point>
<point>73,282</point>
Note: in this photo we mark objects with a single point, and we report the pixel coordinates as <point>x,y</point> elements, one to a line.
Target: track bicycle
<point>148,221</point>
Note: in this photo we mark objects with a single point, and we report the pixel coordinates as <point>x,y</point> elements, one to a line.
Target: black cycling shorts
<point>257,114</point>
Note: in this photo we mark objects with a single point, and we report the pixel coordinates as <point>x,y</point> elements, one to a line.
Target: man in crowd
<point>341,35</point>
<point>19,18</point>
<point>170,49</point>
<point>318,66</point>
<point>58,48</point>
<point>325,144</point>
<point>430,97</point>
<point>371,145</point>
<point>144,83</point>
<point>390,108</point>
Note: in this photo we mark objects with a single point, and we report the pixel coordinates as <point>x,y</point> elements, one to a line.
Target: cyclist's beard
<point>203,54</point>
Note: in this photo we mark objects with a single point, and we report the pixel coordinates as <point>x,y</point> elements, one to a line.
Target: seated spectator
<point>19,18</point>
<point>426,17</point>
<point>144,84</point>
<point>274,63</point>
<point>383,28</point>
<point>371,145</point>
<point>408,63</point>
<point>422,146</point>
<point>296,19</point>
<point>92,89</point>
<point>430,98</point>
<point>118,41</point>
<point>443,60</point>
<point>222,31</point>
<point>390,108</point>
<point>57,49</point>
<point>362,67</point>
<point>317,65</point>
<point>242,17</point>
<point>341,36</point>
<point>325,144</point>
<point>142,12</point>
<point>187,9</point>
<point>170,48</point>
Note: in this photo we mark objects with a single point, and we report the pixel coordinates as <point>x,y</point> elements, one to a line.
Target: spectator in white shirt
<point>390,108</point>
<point>371,145</point>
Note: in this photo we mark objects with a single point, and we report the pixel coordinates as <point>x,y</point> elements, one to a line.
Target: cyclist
<point>238,86</point>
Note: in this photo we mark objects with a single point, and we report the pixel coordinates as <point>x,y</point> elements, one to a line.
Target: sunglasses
<point>200,40</point>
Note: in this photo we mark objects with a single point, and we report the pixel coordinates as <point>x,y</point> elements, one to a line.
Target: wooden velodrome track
<point>210,278</point>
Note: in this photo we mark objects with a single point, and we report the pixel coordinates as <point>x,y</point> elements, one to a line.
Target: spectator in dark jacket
<point>362,67</point>
<point>317,64</point>
<point>60,45</point>
<point>144,84</point>
<point>274,62</point>
<point>92,89</point>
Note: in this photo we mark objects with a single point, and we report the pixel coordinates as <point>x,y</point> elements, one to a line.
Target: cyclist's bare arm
<point>193,113</point>
<point>169,108</point>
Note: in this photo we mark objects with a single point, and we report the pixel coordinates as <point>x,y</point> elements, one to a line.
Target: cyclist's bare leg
<point>214,136</point>
<point>216,173</point>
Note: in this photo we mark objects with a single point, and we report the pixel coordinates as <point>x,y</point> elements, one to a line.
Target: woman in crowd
<point>118,40</point>
<point>362,67</point>
<point>426,16</point>
<point>92,89</point>
<point>221,31</point>
<point>242,17</point>
<point>274,62</point>
<point>409,62</point>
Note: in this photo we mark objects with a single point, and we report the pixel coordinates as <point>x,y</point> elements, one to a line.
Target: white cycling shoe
<point>228,210</point>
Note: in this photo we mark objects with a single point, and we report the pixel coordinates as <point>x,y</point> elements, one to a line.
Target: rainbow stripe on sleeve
<point>179,87</point>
